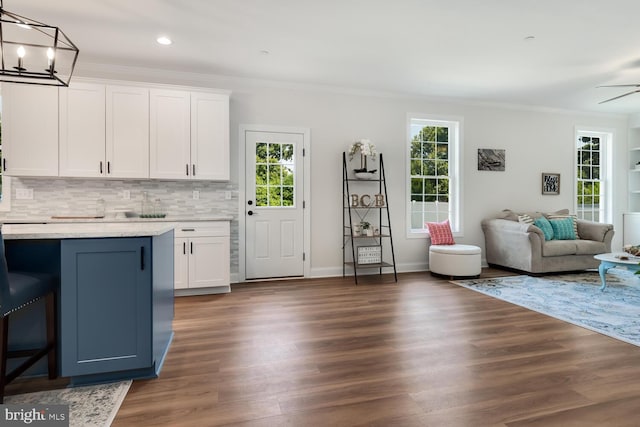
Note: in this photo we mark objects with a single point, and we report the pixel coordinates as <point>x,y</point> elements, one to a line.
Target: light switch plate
<point>126,195</point>
<point>196,195</point>
<point>24,193</point>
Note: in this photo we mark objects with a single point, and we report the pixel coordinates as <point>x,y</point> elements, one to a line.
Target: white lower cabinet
<point>202,257</point>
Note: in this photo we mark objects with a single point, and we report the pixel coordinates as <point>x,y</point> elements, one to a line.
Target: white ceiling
<point>465,49</point>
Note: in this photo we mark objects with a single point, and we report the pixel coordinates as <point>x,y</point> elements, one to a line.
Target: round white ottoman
<point>455,260</point>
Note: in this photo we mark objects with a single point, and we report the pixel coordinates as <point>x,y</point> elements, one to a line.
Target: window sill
<point>425,235</point>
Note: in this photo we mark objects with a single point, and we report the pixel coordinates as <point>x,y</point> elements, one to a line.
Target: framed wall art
<point>550,183</point>
<point>490,159</point>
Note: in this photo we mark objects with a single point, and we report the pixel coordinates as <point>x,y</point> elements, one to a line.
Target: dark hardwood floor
<point>423,352</point>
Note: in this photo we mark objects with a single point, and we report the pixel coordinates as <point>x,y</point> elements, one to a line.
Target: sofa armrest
<point>590,230</point>
<point>512,244</point>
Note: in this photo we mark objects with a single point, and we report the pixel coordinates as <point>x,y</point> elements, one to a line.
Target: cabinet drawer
<point>202,228</point>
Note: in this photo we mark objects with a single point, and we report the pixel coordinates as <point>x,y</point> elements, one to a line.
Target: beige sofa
<point>521,246</point>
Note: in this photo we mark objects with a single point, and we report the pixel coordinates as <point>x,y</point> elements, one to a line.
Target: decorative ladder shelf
<point>358,252</point>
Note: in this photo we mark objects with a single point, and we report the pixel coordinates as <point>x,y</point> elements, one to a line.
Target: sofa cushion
<point>573,247</point>
<point>573,218</point>
<point>563,229</point>
<point>543,224</point>
<point>593,231</point>
<point>525,219</point>
<point>507,214</point>
<point>510,215</point>
<point>559,212</point>
<point>440,233</point>
<point>559,247</point>
<point>590,247</point>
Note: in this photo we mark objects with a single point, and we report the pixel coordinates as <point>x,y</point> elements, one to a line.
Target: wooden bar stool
<point>17,291</point>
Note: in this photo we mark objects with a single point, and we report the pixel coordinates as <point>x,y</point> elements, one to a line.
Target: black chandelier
<point>33,52</point>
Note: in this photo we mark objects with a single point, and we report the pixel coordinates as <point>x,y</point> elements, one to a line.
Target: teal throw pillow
<point>563,229</point>
<point>543,224</point>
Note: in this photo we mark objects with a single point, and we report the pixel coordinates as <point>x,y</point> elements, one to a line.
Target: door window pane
<point>275,174</point>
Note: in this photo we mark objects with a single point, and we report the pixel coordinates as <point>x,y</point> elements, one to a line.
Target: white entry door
<point>274,215</point>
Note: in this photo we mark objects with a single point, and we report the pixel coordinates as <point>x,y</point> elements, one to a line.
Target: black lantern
<point>33,52</point>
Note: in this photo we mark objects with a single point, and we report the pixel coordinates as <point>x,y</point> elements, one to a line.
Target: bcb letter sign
<point>366,201</point>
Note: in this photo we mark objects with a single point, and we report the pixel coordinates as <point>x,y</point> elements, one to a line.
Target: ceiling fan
<point>623,95</point>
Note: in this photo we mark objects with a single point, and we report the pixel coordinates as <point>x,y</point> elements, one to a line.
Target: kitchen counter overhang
<point>82,230</point>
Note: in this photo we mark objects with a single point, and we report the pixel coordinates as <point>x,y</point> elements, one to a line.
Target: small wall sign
<point>550,183</point>
<point>370,254</point>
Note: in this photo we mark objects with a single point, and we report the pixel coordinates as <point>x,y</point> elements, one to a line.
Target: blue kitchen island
<point>116,293</point>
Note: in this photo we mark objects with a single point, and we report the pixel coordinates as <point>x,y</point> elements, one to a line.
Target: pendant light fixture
<point>32,52</point>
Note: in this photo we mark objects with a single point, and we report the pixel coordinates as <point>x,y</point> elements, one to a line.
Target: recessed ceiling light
<point>529,38</point>
<point>166,41</point>
<point>265,52</point>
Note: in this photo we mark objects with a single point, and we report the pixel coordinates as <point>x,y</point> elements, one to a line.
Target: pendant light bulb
<point>21,52</point>
<point>50,56</point>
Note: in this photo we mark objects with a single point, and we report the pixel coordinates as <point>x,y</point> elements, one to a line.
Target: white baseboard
<point>317,273</point>
<point>202,291</point>
<point>337,271</point>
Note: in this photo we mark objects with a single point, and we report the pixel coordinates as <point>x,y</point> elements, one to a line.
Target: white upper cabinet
<point>30,130</point>
<point>82,129</point>
<point>127,137</point>
<point>210,136</point>
<point>104,131</point>
<point>170,135</point>
<point>189,135</point>
<point>95,129</point>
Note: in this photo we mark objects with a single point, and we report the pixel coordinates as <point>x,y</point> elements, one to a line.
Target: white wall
<point>535,141</point>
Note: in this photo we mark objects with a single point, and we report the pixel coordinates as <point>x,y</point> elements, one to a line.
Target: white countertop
<point>42,220</point>
<point>83,230</point>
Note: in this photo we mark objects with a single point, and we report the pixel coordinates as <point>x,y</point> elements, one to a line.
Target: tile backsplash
<point>79,197</point>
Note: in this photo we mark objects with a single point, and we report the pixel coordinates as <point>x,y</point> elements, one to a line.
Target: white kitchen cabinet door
<point>82,129</point>
<point>181,263</point>
<point>170,127</point>
<point>210,136</point>
<point>127,132</point>
<point>208,261</point>
<point>29,130</point>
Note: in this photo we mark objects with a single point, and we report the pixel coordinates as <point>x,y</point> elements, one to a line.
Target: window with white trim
<point>434,170</point>
<point>592,171</point>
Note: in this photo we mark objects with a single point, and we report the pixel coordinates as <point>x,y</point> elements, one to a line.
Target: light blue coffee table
<point>611,260</point>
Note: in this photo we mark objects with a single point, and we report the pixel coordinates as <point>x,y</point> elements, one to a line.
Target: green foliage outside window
<point>430,165</point>
<point>274,174</point>
<point>588,173</point>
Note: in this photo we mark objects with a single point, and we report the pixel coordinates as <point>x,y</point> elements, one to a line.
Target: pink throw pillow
<point>440,233</point>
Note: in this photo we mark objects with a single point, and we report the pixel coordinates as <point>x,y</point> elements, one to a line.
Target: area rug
<point>89,406</point>
<point>574,298</point>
